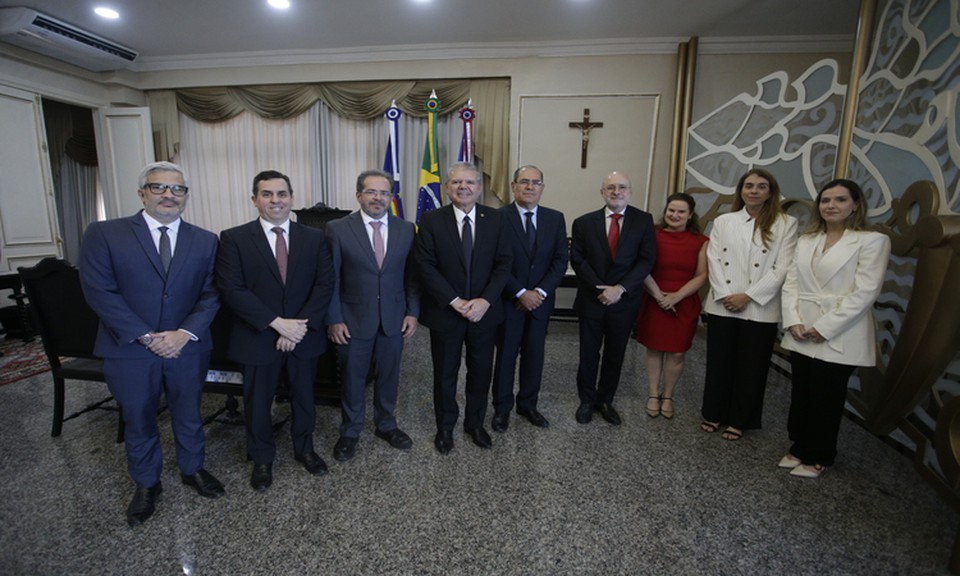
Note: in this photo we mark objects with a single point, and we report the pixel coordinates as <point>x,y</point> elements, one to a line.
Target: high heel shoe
<point>668,414</point>
<point>789,461</point>
<point>655,411</point>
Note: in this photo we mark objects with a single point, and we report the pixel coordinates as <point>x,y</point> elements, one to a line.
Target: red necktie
<point>613,235</point>
<point>281,253</point>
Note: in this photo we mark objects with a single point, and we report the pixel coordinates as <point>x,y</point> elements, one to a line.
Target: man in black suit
<point>374,309</point>
<point>149,277</point>
<point>279,291</point>
<point>539,238</point>
<point>613,250</point>
<point>463,257</point>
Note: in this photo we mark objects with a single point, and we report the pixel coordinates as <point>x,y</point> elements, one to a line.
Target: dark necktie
<point>613,235</point>
<point>531,232</point>
<point>166,254</point>
<point>281,253</point>
<point>467,239</point>
<point>378,249</point>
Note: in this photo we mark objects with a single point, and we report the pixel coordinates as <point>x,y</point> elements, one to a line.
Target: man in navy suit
<point>539,238</point>
<point>612,251</point>
<point>277,278</point>
<point>463,257</point>
<point>149,277</point>
<point>374,308</point>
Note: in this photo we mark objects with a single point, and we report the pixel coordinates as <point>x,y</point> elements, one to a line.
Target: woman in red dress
<point>671,307</point>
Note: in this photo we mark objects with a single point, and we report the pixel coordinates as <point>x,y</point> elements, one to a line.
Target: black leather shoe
<point>313,463</point>
<point>443,441</point>
<point>262,477</point>
<point>480,437</point>
<point>609,414</point>
<point>500,422</point>
<point>397,438</point>
<point>143,504</point>
<point>534,418</point>
<point>204,483</point>
<point>584,413</point>
<point>344,449</point>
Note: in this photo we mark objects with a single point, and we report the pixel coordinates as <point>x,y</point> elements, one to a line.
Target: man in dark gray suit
<point>539,238</point>
<point>374,308</point>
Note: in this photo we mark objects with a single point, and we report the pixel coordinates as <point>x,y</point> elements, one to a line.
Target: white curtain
<point>77,192</point>
<point>321,152</point>
<point>221,159</point>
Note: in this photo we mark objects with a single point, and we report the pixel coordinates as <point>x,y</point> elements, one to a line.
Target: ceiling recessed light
<point>280,4</point>
<point>106,12</point>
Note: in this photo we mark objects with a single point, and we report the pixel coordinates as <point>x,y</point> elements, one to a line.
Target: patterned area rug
<point>21,360</point>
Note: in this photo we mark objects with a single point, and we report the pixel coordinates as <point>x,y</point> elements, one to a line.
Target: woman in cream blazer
<point>750,251</point>
<point>827,301</point>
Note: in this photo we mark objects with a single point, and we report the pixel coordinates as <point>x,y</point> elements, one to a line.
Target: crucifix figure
<point>585,127</point>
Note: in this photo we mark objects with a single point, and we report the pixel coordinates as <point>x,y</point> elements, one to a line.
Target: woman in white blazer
<point>750,250</point>
<point>828,298</point>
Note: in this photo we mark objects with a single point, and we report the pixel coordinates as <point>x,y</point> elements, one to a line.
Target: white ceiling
<point>169,32</point>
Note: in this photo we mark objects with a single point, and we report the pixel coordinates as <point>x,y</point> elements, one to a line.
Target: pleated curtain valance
<point>354,100</point>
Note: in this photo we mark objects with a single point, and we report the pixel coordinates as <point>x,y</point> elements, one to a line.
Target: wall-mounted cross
<point>585,127</point>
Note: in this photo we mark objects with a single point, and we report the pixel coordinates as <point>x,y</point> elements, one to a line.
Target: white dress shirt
<point>272,236</point>
<point>173,229</point>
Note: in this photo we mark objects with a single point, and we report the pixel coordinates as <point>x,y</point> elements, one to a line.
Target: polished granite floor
<point>649,497</point>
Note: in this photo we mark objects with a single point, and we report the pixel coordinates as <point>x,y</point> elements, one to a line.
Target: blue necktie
<point>531,232</point>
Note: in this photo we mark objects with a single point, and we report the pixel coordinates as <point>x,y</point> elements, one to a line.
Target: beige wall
<point>719,78</point>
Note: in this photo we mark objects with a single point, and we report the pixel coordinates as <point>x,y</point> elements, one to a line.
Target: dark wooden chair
<point>68,329</point>
<point>326,388</point>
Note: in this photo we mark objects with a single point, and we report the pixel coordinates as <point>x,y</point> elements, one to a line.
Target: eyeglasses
<point>616,187</point>
<point>175,189</point>
<point>380,193</point>
<point>534,183</point>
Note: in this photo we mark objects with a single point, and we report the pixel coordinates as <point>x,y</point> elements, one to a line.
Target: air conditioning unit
<point>46,35</point>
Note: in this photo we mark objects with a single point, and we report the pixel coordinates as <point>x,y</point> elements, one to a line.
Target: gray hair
<point>155,167</point>
<point>465,166</point>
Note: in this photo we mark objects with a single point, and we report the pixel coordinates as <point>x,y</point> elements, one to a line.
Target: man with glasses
<point>149,277</point>
<point>539,239</point>
<point>275,275</point>
<point>463,256</point>
<point>612,251</point>
<point>374,308</point>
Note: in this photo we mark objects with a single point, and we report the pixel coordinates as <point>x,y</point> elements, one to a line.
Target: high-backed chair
<point>68,329</point>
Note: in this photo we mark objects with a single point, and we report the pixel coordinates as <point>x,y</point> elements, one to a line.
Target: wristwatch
<point>146,339</point>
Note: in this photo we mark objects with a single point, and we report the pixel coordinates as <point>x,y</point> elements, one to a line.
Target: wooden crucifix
<point>585,127</point>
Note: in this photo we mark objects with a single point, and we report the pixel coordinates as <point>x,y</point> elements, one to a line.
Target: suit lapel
<point>395,239</point>
<point>837,256</point>
<point>142,233</point>
<point>600,227</point>
<point>359,231</point>
<point>259,241</point>
<point>449,223</point>
<point>513,216</point>
<point>185,237</point>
